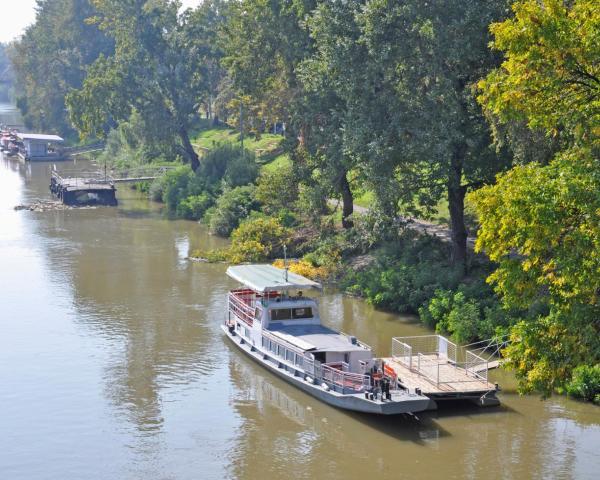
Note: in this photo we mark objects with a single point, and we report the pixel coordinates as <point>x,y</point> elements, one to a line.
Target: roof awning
<point>267,278</point>
<point>40,137</point>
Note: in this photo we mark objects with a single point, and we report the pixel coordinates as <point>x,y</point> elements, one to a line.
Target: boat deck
<point>435,376</point>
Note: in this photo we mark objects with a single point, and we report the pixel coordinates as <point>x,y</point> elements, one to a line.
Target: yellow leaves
<point>304,268</point>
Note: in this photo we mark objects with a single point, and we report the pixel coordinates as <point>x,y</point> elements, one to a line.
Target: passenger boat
<point>275,324</point>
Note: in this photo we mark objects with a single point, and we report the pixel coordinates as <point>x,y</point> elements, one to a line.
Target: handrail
<point>241,309</point>
<point>335,378</point>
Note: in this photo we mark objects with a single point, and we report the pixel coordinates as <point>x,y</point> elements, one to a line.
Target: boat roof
<point>314,338</point>
<point>39,136</point>
<point>267,278</point>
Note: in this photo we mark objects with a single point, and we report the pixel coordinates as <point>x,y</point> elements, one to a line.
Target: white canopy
<point>40,137</point>
<point>267,278</point>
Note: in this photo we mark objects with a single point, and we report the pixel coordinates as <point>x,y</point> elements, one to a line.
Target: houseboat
<point>272,321</point>
<point>38,147</point>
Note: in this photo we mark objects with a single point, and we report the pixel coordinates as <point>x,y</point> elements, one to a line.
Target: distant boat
<point>282,331</point>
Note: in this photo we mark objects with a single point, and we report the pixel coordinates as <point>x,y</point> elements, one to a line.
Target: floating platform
<point>83,190</point>
<point>430,365</point>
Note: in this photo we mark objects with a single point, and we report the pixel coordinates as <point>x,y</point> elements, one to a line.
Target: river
<point>113,366</point>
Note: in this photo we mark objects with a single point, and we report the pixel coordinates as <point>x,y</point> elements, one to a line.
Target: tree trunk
<point>456,206</point>
<point>347,201</point>
<point>190,153</point>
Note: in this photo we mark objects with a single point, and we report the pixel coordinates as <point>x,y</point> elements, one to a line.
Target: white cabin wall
<point>355,358</point>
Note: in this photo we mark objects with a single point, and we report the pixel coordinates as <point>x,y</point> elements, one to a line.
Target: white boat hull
<point>402,402</point>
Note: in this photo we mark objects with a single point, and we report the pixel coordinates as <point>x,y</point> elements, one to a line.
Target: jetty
<point>437,368</point>
<point>98,188</point>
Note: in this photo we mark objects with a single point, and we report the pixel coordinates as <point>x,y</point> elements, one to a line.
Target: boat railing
<point>336,376</point>
<point>435,357</point>
<point>242,303</point>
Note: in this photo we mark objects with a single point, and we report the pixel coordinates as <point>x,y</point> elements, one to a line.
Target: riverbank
<point>114,366</point>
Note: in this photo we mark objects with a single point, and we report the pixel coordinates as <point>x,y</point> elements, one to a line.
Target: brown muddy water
<point>113,365</point>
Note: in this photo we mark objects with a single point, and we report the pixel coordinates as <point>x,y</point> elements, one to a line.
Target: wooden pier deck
<point>439,369</point>
<point>439,377</point>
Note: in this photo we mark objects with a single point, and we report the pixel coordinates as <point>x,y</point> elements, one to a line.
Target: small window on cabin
<point>305,312</point>
<point>281,314</point>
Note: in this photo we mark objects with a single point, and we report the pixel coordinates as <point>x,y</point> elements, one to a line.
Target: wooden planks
<point>452,379</point>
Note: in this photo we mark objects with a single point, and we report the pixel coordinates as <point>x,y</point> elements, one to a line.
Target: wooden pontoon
<point>436,367</point>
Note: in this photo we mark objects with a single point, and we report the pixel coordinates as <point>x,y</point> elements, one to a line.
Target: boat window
<point>305,312</point>
<point>281,314</point>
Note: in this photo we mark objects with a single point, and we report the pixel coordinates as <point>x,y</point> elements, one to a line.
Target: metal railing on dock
<point>434,357</point>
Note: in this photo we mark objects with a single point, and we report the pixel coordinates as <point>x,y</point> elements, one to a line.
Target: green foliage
<point>463,316</point>
<point>255,240</point>
<point>258,239</point>
<point>51,59</point>
<point>549,77</point>
<point>541,222</point>
<point>415,276</point>
<point>154,70</point>
<point>231,208</point>
<point>403,279</point>
<point>545,351</point>
<point>277,189</point>
<point>133,143</point>
<point>6,75</point>
<point>194,207</point>
<point>227,162</point>
<point>175,187</point>
<point>585,383</point>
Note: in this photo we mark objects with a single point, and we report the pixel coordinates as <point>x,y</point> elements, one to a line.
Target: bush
<point>585,383</point>
<point>157,189</point>
<point>277,190</point>
<point>404,279</point>
<point>232,207</point>
<point>226,162</point>
<point>304,268</point>
<point>412,275</point>
<point>195,206</point>
<point>241,170</point>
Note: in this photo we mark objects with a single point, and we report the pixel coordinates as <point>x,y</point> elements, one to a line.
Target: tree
<point>154,70</point>
<point>541,222</point>
<point>269,50</point>
<point>405,72</point>
<point>51,58</point>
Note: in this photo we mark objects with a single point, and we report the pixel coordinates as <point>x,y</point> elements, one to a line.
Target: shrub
<point>241,170</point>
<point>232,207</point>
<point>277,190</point>
<point>157,189</point>
<point>404,279</point>
<point>585,383</point>
<point>179,184</point>
<point>194,206</point>
<point>287,217</point>
<point>304,268</point>
<point>226,162</point>
<point>257,239</point>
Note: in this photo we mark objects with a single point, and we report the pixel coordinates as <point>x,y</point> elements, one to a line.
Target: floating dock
<point>84,189</point>
<point>435,367</point>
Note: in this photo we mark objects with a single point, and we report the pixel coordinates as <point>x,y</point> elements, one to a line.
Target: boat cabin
<point>40,147</point>
<point>273,312</point>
